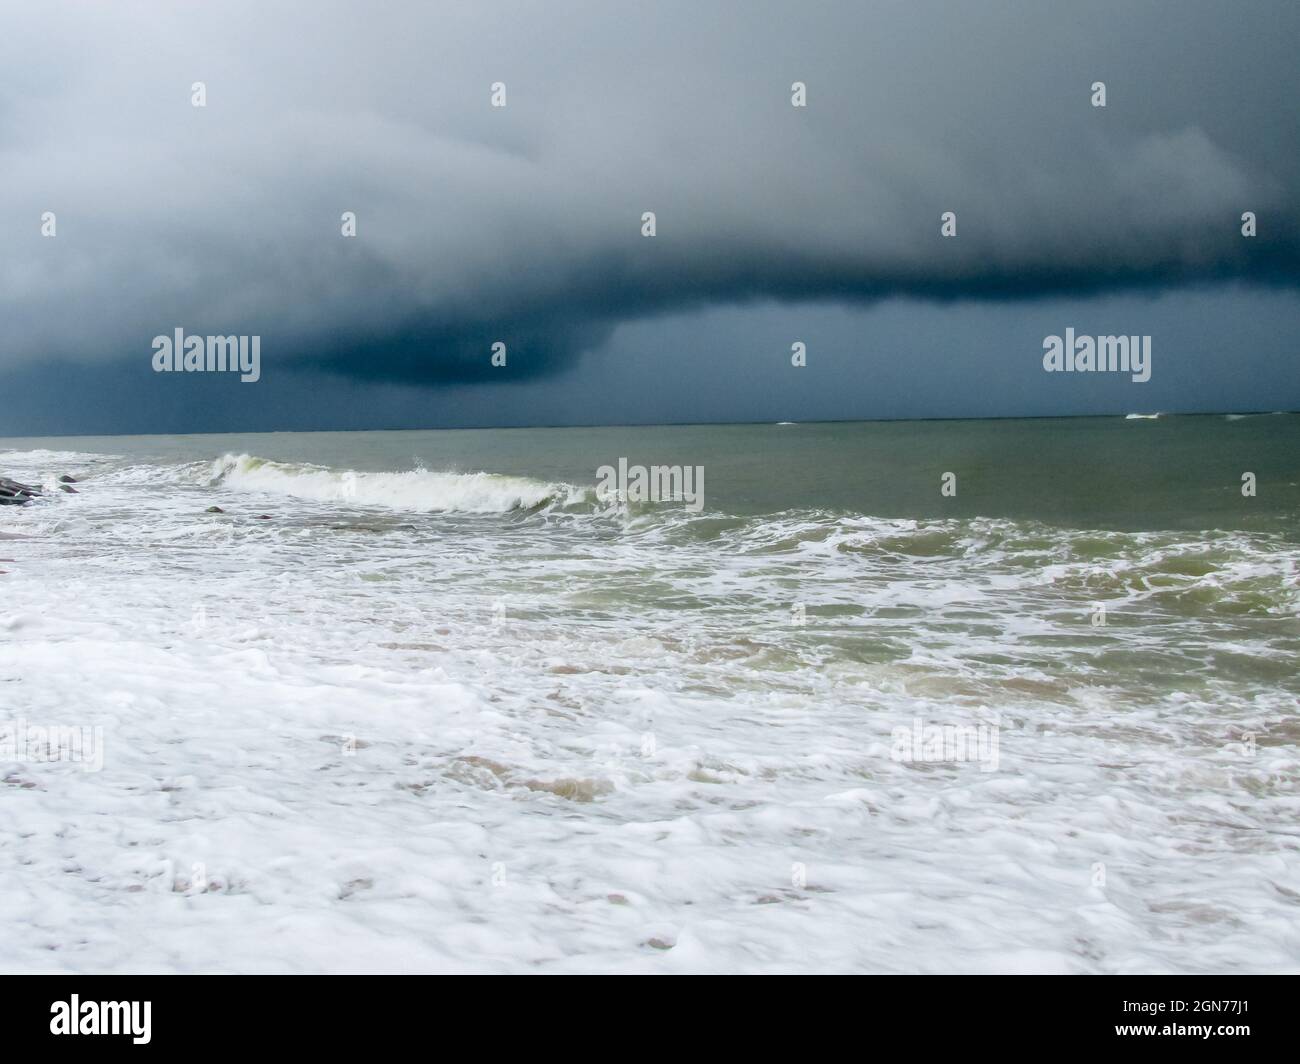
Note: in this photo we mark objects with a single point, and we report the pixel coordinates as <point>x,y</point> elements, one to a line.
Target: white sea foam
<point>417,490</point>
<point>41,458</point>
<point>495,740</point>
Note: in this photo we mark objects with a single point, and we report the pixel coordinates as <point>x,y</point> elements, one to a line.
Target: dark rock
<point>14,494</point>
<point>69,489</point>
<point>65,479</point>
<point>262,517</point>
<point>214,510</point>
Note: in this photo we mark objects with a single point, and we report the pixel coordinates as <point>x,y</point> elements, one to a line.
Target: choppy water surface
<point>441,709</point>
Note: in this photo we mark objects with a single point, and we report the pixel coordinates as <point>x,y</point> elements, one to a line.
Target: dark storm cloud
<point>522,224</point>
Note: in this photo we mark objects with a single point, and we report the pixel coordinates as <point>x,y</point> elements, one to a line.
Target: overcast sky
<point>523,224</point>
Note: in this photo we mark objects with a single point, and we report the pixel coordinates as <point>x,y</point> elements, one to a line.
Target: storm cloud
<point>523,224</point>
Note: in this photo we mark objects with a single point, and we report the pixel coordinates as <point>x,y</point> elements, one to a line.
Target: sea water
<point>903,697</point>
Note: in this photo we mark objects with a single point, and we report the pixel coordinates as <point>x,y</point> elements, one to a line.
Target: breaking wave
<point>415,491</point>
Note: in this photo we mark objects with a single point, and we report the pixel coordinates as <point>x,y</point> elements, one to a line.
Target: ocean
<point>1014,695</point>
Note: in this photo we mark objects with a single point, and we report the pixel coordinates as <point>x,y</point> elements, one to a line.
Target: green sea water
<point>1163,473</point>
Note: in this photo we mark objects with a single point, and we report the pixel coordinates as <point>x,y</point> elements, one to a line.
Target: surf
<point>414,491</point>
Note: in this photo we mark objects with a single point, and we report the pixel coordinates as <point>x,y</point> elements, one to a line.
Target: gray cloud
<point>522,224</point>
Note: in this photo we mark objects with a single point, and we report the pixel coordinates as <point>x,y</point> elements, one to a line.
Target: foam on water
<point>417,491</point>
<point>446,721</point>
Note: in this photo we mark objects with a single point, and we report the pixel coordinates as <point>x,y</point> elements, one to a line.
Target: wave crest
<point>416,491</point>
